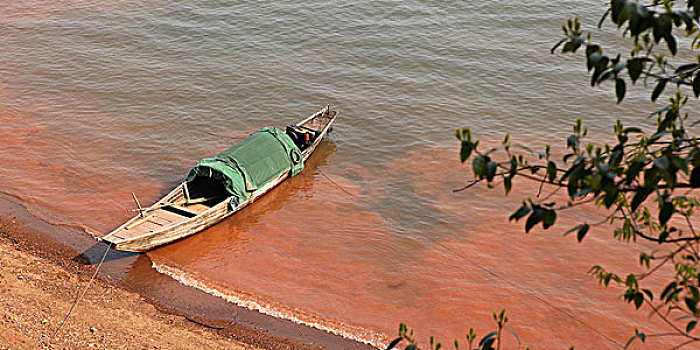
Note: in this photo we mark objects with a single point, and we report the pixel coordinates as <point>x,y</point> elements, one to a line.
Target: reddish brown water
<point>306,253</point>
<point>101,99</point>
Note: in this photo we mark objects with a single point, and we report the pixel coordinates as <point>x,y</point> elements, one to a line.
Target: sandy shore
<point>40,278</point>
<point>36,293</point>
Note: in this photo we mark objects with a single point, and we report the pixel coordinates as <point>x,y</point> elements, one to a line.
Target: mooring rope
<point>79,296</point>
<point>336,185</point>
<point>496,275</point>
<point>210,326</point>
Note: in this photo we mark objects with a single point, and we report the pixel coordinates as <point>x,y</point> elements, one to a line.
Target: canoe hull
<point>177,232</point>
<point>196,222</point>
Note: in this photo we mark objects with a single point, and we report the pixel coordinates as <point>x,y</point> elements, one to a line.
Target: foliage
<point>491,341</point>
<point>646,181</point>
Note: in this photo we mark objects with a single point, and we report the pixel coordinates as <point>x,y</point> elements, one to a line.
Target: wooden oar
<point>137,204</point>
<point>139,221</point>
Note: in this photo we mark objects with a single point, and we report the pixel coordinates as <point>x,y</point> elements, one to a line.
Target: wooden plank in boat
<point>197,208</point>
<point>153,221</point>
<point>139,221</point>
<point>140,229</point>
<point>167,218</point>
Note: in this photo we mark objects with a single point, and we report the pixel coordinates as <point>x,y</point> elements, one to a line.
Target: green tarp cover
<point>251,163</point>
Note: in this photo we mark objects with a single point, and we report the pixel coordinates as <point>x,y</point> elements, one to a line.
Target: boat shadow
<point>272,201</point>
<point>94,254</point>
<point>227,233</point>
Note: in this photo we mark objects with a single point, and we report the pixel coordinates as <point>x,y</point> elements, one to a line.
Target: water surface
<point>99,99</point>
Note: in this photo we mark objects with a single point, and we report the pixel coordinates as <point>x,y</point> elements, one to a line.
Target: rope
<point>336,185</point>
<point>499,277</point>
<point>81,295</point>
<point>210,326</point>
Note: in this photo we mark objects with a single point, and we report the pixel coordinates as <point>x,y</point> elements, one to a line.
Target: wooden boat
<point>177,215</point>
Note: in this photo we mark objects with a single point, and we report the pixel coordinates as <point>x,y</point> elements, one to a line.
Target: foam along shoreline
<point>277,310</point>
<point>36,293</point>
<point>52,272</point>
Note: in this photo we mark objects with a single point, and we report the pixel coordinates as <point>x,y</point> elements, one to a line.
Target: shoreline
<point>38,292</point>
<point>184,315</point>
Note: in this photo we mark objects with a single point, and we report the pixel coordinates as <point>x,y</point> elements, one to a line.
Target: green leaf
<point>520,213</point>
<point>605,76</point>
<point>600,66</point>
<point>658,89</point>
<point>610,196</point>
<point>635,66</point>
<point>640,19</point>
<point>487,337</point>
<point>573,186</point>
<point>582,232</point>
<point>551,171</point>
<point>619,15</point>
<point>466,151</point>
<point>479,166</point>
<point>514,334</point>
<point>411,347</point>
<point>568,47</point>
<point>488,345</point>
<point>575,228</point>
<point>639,197</point>
<point>690,326</point>
<point>669,292</point>
<point>507,184</point>
<point>593,58</point>
<point>491,151</point>
<point>393,343</point>
<point>692,305</point>
<point>694,291</point>
<point>696,85</point>
<point>687,17</point>
<point>620,89</point>
<point>672,45</point>
<point>638,300</point>
<point>533,219</point>
<point>491,167</point>
<point>549,216</point>
<point>695,177</point>
<point>640,336</point>
<point>687,68</point>
<point>665,212</point>
<point>662,27</point>
<point>657,136</point>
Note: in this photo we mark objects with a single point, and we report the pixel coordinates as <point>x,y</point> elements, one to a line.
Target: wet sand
<point>38,289</point>
<point>40,278</point>
<point>37,293</point>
